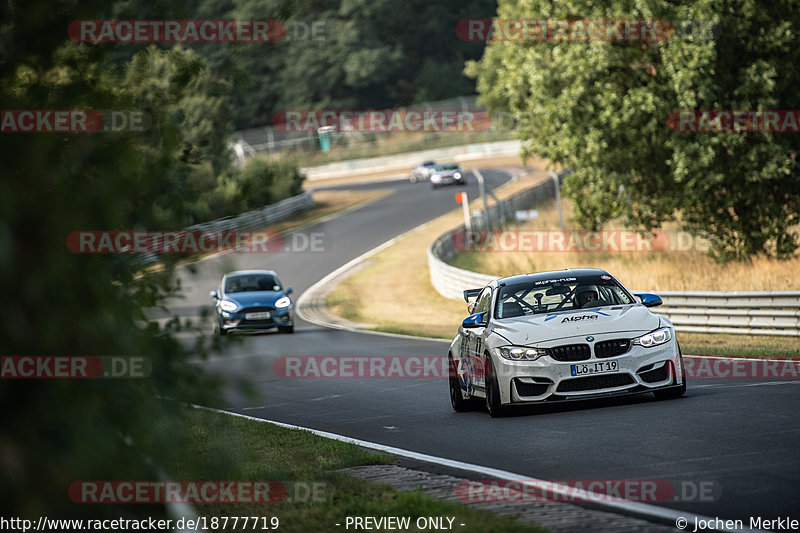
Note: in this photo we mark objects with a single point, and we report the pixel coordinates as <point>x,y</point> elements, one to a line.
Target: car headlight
<point>654,338</point>
<point>283,302</point>
<point>457,175</point>
<point>521,353</point>
<point>227,305</point>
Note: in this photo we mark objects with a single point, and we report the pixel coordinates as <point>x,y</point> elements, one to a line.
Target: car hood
<point>246,299</point>
<point>445,173</point>
<point>632,320</point>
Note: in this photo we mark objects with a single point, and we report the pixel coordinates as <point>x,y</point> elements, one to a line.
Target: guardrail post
<point>557,181</point>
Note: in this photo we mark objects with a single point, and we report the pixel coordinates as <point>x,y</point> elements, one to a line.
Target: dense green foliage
<point>344,54</point>
<point>602,107</point>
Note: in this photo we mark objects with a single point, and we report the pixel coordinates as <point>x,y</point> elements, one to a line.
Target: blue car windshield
<point>252,283</point>
<point>560,294</point>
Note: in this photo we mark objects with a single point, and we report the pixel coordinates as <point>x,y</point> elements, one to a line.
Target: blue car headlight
<point>283,302</point>
<point>521,353</point>
<point>654,338</point>
<point>227,305</point>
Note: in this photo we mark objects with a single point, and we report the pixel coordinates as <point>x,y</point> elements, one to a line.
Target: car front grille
<point>570,352</point>
<point>595,382</point>
<point>655,375</point>
<point>611,348</point>
<point>264,309</point>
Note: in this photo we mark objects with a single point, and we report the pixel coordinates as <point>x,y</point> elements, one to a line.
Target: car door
<point>473,343</point>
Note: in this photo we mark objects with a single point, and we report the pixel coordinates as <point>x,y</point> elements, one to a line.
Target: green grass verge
<point>224,447</point>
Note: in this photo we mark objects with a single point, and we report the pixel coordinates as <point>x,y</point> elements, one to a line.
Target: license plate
<point>256,316</point>
<point>594,368</point>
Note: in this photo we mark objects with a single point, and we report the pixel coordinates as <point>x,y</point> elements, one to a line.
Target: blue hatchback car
<point>252,299</point>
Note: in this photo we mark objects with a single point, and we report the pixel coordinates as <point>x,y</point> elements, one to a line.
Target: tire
<point>286,329</point>
<point>671,394</point>
<point>457,400</point>
<point>219,331</point>
<point>493,405</point>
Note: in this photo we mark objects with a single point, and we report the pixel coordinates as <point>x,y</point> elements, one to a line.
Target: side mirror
<point>289,290</point>
<point>213,294</point>
<point>475,320</point>
<point>649,300</point>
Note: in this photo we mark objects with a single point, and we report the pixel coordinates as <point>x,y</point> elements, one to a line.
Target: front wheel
<point>457,400</point>
<point>493,404</point>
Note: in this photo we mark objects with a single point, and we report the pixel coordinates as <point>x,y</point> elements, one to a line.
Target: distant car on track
<point>447,174</point>
<point>558,336</point>
<point>421,171</point>
<point>252,299</point>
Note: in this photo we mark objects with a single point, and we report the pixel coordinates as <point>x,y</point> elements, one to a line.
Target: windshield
<point>252,283</point>
<point>448,166</point>
<point>560,294</point>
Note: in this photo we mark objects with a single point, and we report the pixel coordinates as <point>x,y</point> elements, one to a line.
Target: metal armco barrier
<point>260,217</point>
<point>736,312</point>
<point>251,220</point>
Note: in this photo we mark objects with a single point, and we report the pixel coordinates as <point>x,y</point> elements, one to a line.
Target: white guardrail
<point>737,312</point>
<point>405,162</point>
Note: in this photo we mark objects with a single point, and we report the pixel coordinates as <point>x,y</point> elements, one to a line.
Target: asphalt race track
<point>741,437</point>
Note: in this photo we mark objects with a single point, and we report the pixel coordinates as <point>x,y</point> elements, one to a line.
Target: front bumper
<point>545,380</point>
<point>238,321</point>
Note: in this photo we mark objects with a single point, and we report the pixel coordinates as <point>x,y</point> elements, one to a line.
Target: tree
<point>373,54</point>
<point>604,108</point>
<point>56,432</point>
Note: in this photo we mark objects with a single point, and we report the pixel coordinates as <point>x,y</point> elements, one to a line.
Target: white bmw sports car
<point>558,336</point>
